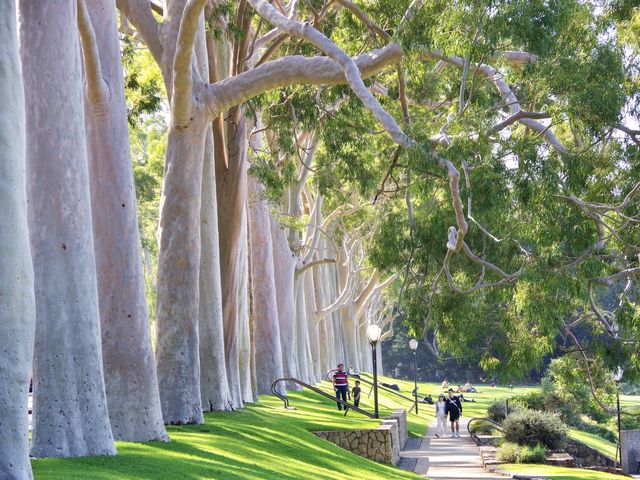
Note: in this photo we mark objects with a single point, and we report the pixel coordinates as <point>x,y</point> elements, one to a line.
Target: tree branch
<point>182,92</point>
<point>97,89</point>
<point>314,263</point>
<point>293,70</point>
<point>138,12</point>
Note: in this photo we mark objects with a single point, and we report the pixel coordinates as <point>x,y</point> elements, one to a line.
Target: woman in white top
<point>441,416</point>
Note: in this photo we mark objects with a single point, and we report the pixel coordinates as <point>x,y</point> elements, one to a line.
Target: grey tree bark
<point>129,366</point>
<point>70,409</point>
<point>18,310</point>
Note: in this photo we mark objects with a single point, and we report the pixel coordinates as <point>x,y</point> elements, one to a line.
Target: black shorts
<point>453,416</point>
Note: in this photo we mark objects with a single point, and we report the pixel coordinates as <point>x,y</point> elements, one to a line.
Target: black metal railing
<point>478,422</point>
<point>317,390</point>
<point>380,386</point>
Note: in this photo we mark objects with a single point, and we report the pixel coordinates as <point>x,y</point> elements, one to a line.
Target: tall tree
<point>18,310</point>
<point>129,366</point>
<point>70,408</point>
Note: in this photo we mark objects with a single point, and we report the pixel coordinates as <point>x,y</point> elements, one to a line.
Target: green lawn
<point>262,441</point>
<point>559,473</point>
<point>594,441</point>
<point>265,441</point>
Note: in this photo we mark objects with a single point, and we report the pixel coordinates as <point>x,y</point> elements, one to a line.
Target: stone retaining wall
<point>382,444</point>
<point>586,456</point>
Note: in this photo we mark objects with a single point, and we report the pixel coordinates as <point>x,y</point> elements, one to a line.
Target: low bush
<point>497,410</point>
<point>530,427</point>
<point>514,453</point>
<point>508,452</point>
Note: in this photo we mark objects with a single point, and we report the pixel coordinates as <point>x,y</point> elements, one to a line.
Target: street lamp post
<point>373,334</point>
<point>413,344</point>
<point>617,376</point>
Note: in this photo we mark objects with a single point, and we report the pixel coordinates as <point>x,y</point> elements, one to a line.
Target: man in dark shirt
<point>355,393</point>
<point>341,385</point>
<point>454,410</point>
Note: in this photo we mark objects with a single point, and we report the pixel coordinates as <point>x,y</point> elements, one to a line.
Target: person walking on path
<point>454,410</point>
<point>341,385</point>
<point>441,416</point>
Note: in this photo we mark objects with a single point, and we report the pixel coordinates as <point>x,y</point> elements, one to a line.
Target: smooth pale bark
<point>177,351</point>
<point>302,335</point>
<point>244,336</point>
<point>18,310</point>
<point>379,359</point>
<point>231,182</point>
<point>350,330</point>
<point>268,349</point>
<point>129,365</point>
<point>284,270</point>
<point>312,323</point>
<point>214,387</point>
<point>70,409</point>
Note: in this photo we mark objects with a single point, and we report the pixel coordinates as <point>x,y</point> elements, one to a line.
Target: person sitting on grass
<point>355,393</point>
<point>445,384</point>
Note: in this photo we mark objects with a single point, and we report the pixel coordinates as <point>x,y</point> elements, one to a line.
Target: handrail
<point>484,420</point>
<point>316,390</point>
<point>388,390</point>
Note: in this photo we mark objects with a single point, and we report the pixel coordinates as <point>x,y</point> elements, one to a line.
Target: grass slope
<point>262,441</point>
<point>594,441</point>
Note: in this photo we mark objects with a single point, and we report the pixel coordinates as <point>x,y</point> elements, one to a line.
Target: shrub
<point>496,410</point>
<point>530,427</point>
<point>532,400</point>
<point>514,453</point>
<point>535,454</point>
<point>508,452</point>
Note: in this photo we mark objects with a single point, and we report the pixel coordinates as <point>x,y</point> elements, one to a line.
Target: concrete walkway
<point>445,458</point>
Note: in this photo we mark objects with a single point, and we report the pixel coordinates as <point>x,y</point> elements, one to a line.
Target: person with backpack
<point>454,410</point>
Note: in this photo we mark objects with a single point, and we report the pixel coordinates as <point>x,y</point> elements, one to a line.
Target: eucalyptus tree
<point>194,103</point>
<point>70,408</point>
<point>18,312</point>
<point>127,355</point>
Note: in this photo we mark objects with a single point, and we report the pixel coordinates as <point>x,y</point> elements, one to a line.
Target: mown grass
<point>265,441</point>
<point>559,473</point>
<point>261,441</point>
<point>594,441</point>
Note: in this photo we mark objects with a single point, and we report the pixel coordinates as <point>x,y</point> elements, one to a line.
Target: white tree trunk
<point>284,271</point>
<point>231,192</point>
<point>268,349</point>
<point>177,350</point>
<point>244,335</point>
<point>18,310</point>
<point>70,409</point>
<point>129,367</point>
<point>302,335</point>
<point>352,354</point>
<point>214,387</point>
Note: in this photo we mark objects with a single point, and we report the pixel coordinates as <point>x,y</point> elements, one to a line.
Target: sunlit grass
<point>559,473</point>
<point>594,441</point>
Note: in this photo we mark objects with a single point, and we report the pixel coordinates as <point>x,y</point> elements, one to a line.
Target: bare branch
<point>97,89</point>
<point>312,264</point>
<point>182,97</point>
<point>293,70</point>
<point>138,12</point>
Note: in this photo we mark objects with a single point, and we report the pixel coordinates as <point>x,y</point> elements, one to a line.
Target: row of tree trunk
<point>236,307</point>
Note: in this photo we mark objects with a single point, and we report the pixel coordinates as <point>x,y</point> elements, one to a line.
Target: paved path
<point>446,458</point>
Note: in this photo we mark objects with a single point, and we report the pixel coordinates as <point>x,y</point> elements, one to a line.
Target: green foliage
<point>144,89</point>
<point>497,411</point>
<point>531,427</point>
<point>514,453</point>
